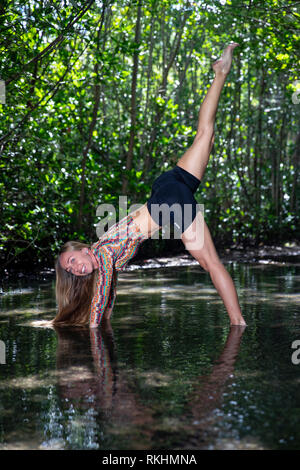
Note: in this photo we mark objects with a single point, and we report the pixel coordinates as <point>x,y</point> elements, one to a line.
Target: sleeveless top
<point>113,251</point>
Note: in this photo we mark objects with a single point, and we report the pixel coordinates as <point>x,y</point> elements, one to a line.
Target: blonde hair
<point>74,294</point>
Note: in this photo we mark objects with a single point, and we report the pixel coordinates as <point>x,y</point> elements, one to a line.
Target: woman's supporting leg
<point>203,250</point>
<point>195,159</point>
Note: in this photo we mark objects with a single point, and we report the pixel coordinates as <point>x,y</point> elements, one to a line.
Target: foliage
<point>103,96</point>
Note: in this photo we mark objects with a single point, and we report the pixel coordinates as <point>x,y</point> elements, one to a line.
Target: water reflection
<point>93,381</point>
<point>86,366</point>
<point>88,379</point>
<point>208,395</point>
<point>196,428</point>
<point>170,375</point>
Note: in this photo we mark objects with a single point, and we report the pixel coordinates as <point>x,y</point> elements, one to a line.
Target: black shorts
<point>172,199</point>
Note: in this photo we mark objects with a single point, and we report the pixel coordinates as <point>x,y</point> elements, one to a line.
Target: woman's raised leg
<point>195,159</point>
<point>197,238</point>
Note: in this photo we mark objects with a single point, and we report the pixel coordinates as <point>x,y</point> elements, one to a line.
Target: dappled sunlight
<point>25,312</point>
<point>27,382</point>
<point>172,291</point>
<point>287,299</point>
<point>133,319</point>
<point>21,291</point>
<point>160,263</point>
<point>68,376</point>
<point>155,379</point>
<point>39,324</point>
<point>246,443</point>
<point>73,374</point>
<point>24,444</point>
<point>251,296</point>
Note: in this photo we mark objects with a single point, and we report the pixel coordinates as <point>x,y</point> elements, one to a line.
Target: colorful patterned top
<point>113,251</point>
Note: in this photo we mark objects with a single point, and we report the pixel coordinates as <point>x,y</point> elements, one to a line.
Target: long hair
<point>74,294</point>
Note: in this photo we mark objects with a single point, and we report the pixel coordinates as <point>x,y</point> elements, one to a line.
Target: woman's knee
<point>209,264</point>
<point>193,236</point>
<point>203,263</point>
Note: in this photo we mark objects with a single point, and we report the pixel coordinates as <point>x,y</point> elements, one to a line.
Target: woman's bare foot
<point>223,64</point>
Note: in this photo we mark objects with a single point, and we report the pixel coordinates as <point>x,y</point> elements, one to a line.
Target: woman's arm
<point>103,288</point>
<point>112,297</point>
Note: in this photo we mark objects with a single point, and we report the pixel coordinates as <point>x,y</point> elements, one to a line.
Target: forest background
<point>97,98</point>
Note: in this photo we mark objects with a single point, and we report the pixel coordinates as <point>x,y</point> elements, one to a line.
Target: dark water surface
<point>170,373</point>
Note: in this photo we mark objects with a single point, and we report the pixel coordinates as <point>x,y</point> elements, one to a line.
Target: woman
<point>87,275</point>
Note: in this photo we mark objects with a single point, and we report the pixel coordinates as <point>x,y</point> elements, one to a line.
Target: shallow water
<point>169,374</point>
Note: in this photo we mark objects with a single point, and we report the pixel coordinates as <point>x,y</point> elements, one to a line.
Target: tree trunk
<point>249,110</point>
<point>295,161</point>
<point>137,40</point>
<point>97,94</point>
<point>281,152</point>
<point>149,72</point>
<point>258,146</point>
<point>274,151</point>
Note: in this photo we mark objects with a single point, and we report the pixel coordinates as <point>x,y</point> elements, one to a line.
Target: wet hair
<point>74,294</point>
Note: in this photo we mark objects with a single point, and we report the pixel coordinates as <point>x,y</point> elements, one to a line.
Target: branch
<point>53,89</point>
<point>24,249</point>
<point>93,120</point>
<point>53,44</point>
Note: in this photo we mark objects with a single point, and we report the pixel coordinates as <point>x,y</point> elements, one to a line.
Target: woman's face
<point>78,262</point>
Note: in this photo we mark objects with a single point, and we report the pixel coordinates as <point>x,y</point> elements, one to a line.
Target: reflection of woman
<point>209,394</point>
<point>90,378</point>
<point>94,381</point>
<point>87,275</point>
